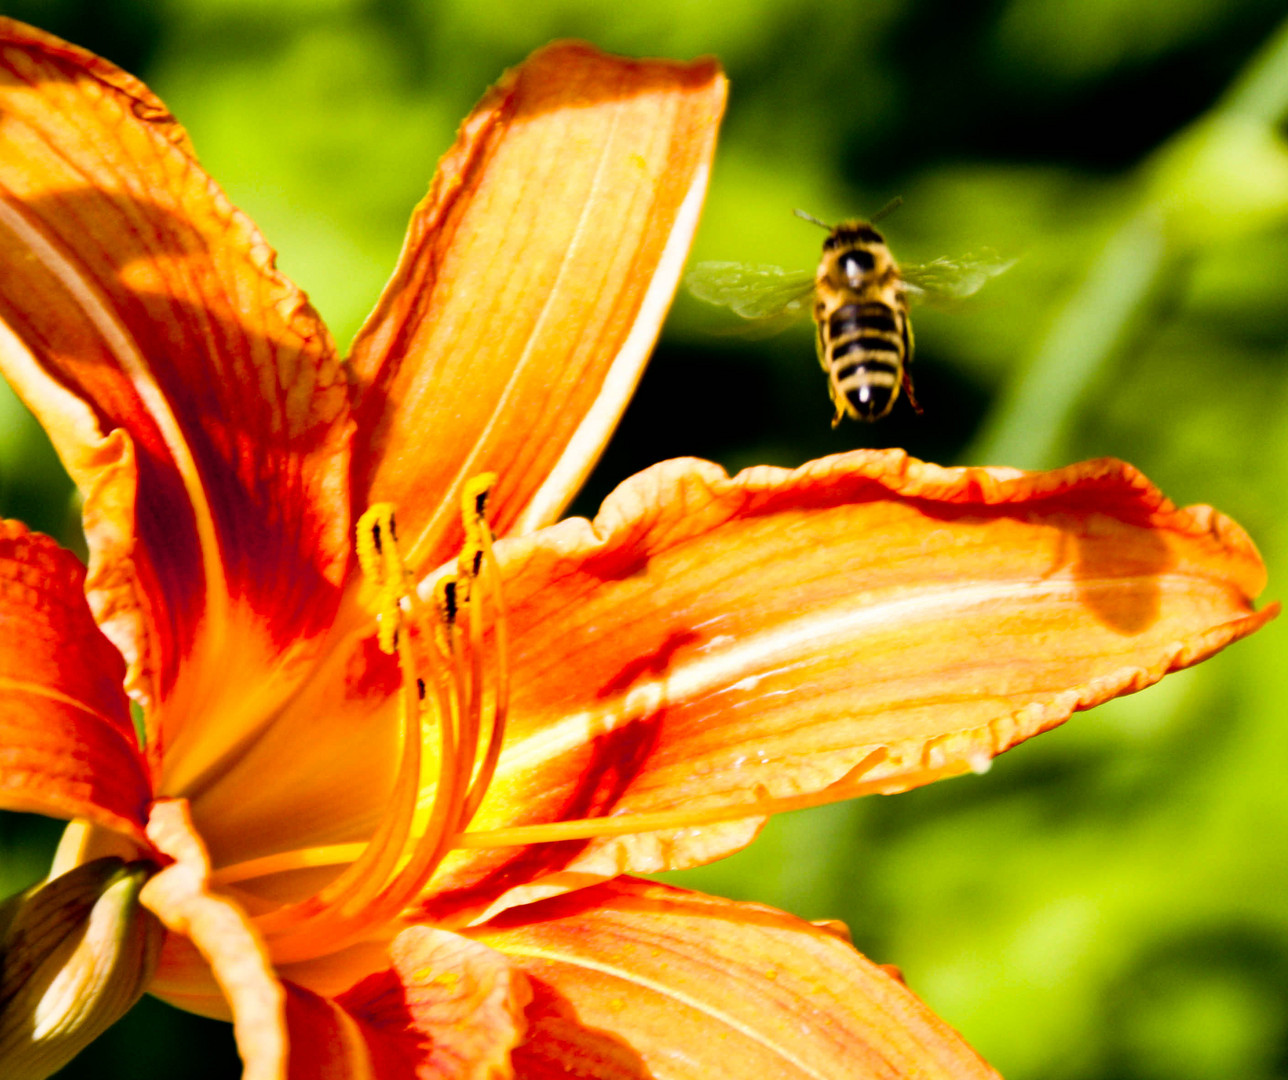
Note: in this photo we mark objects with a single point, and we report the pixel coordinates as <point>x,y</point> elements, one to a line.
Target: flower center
<point>452,718</point>
<point>455,692</point>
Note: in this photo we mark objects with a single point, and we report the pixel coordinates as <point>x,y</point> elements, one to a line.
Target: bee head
<point>852,233</point>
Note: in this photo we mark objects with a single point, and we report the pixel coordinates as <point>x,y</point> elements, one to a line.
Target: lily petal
<point>193,394</point>
<point>67,746</point>
<point>448,1004</point>
<point>532,285</point>
<point>327,1043</point>
<point>637,980</point>
<point>526,274</point>
<point>181,898</point>
<point>866,623</point>
<point>428,1004</point>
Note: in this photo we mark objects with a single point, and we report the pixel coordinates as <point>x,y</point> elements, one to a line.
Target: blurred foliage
<point>1109,902</point>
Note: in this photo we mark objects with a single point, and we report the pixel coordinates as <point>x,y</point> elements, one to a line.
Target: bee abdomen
<point>843,349</point>
<point>851,320</point>
<point>881,367</point>
<point>866,350</point>
<point>869,384</point>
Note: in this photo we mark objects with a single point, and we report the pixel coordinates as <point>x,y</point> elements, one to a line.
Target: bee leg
<point>836,402</point>
<point>907,389</point>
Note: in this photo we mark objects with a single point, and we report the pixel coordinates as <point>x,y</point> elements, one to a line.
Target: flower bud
<point>75,954</point>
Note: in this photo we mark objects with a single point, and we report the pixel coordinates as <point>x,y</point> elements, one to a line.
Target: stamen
<point>299,930</point>
<point>445,597</point>
<point>591,828</point>
<point>387,873</point>
<point>472,716</point>
<point>460,709</point>
<point>449,598</point>
<point>501,705</point>
<point>282,862</point>
<point>657,820</point>
<point>384,576</point>
<point>474,496</point>
<point>432,844</point>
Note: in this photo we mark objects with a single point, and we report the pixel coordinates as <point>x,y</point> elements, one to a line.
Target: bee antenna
<point>888,209</point>
<point>813,220</point>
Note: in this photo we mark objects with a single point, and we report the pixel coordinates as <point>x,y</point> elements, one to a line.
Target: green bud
<point>75,953</point>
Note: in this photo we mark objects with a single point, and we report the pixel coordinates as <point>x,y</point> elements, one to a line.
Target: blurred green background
<point>1109,901</point>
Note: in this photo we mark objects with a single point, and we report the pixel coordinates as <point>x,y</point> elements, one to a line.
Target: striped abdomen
<point>863,346</point>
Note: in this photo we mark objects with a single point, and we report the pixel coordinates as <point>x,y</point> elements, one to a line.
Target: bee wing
<point>752,290</point>
<point>945,281</point>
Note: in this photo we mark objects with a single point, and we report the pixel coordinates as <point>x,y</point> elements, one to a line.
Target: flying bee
<point>861,323</point>
<point>860,308</point>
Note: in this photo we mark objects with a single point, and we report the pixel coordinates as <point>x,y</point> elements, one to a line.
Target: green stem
<point>1030,426</point>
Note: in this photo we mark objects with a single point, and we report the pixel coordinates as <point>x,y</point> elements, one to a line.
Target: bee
<point>860,307</point>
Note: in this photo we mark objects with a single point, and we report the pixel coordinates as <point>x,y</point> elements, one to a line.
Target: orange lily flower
<point>394,782</point>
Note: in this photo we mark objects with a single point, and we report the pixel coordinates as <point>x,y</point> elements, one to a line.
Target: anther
<point>464,583</point>
<point>474,496</point>
<point>368,546</point>
<point>445,598</point>
<point>385,577</point>
<point>420,688</point>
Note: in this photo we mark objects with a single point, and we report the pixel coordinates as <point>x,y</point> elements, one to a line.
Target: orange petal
<point>67,746</point>
<point>221,932</point>
<point>137,298</point>
<point>327,1043</point>
<point>433,1005</point>
<point>337,786</point>
<point>448,1004</point>
<point>532,285</point>
<point>866,623</point>
<point>637,981</point>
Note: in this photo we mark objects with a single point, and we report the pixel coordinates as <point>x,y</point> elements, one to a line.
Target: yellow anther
<point>445,599</point>
<point>370,543</point>
<point>446,607</point>
<point>474,496</point>
<point>383,572</point>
